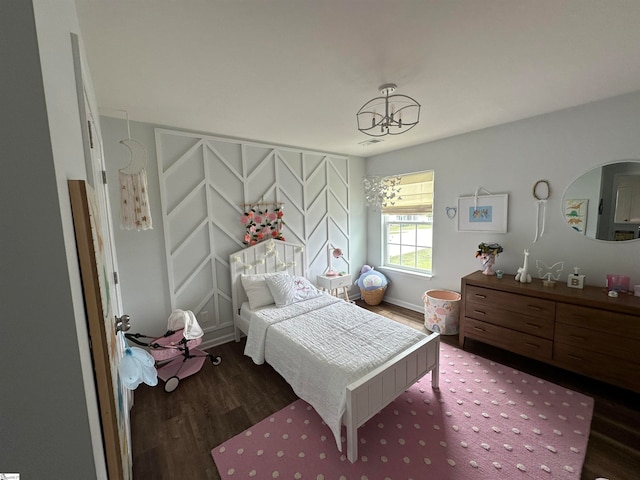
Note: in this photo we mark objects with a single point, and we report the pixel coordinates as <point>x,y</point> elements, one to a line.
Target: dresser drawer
<point>599,320</point>
<point>517,342</point>
<point>621,372</point>
<point>522,304</point>
<point>595,341</point>
<point>539,326</point>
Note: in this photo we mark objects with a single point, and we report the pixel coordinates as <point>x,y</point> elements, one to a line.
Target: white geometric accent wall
<point>204,182</point>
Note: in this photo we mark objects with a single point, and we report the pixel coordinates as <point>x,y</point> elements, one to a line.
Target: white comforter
<point>323,344</point>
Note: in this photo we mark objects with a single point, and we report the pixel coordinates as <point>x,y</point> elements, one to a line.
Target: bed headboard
<point>266,257</point>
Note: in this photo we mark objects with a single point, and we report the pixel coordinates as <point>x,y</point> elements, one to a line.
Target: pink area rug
<point>487,421</point>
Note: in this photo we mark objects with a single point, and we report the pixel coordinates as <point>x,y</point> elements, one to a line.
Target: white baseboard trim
<point>214,342</point>
<point>407,305</point>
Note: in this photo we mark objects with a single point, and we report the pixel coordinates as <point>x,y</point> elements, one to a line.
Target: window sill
<point>407,273</point>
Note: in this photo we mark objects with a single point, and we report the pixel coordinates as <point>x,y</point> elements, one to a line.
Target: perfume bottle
<point>575,280</point>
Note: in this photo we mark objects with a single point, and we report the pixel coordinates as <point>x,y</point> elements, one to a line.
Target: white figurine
<point>523,272</point>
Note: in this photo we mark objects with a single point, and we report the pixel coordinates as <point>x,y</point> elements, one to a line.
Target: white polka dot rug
<point>487,421</point>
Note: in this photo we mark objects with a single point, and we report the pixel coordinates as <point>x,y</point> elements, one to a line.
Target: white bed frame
<point>367,396</point>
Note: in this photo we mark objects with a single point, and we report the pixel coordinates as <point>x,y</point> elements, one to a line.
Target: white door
<point>627,189</point>
<point>123,396</point>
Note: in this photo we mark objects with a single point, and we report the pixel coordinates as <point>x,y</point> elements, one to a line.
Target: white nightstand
<point>333,283</point>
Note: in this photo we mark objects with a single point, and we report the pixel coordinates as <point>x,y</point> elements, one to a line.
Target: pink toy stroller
<point>175,353</point>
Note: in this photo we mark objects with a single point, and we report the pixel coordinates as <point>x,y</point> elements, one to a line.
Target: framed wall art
<point>483,213</point>
<point>575,212</point>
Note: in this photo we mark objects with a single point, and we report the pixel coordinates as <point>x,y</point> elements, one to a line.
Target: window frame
<point>419,217</point>
<point>414,245</point>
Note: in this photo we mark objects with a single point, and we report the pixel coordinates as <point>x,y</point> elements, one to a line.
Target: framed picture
<point>575,213</point>
<point>483,213</point>
<point>107,346</point>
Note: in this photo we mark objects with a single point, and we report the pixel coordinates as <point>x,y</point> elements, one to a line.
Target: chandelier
<point>388,115</point>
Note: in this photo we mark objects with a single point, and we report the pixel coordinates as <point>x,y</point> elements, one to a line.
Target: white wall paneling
<point>204,183</point>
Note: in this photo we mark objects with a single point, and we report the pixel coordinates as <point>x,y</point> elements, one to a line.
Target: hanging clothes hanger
<point>137,153</point>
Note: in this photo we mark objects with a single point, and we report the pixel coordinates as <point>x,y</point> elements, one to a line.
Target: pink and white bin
<point>442,311</point>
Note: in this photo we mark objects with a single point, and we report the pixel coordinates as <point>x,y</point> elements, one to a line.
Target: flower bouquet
<point>488,253</point>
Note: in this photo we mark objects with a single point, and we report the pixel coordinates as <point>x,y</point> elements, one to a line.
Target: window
<point>408,224</point>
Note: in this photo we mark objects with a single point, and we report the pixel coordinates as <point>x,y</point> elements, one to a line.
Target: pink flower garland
<point>262,224</point>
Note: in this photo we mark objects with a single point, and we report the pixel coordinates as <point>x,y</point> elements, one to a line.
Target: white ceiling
<point>295,72</point>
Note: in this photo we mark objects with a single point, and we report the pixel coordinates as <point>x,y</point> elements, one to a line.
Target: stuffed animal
<point>371,279</point>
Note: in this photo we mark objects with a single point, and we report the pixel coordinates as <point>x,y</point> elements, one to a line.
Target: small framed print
<point>575,212</point>
<point>483,213</point>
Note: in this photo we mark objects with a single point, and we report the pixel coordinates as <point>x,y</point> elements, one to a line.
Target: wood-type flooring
<point>173,433</point>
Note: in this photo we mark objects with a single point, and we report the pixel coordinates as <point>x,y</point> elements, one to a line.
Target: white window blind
<point>416,195</point>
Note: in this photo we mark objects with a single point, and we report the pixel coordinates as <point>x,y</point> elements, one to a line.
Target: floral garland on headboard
<point>262,224</point>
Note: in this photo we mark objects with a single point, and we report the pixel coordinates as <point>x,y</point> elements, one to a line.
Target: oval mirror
<point>604,203</point>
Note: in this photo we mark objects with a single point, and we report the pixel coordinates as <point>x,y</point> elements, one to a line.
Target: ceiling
<point>295,72</point>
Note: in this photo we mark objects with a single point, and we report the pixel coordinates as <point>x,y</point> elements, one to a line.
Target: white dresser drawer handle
<point>480,329</point>
<point>532,325</point>
<point>479,296</point>
<point>532,345</point>
<point>479,312</point>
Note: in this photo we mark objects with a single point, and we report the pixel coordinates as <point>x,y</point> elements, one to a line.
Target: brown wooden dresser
<point>582,330</point>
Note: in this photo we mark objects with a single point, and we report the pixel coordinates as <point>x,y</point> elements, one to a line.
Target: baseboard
<point>214,342</point>
<point>407,305</point>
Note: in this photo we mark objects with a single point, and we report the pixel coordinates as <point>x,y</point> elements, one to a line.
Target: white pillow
<point>258,293</point>
<point>289,289</point>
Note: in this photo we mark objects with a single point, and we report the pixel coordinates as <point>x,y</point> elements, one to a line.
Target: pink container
<point>442,311</point>
<point>618,283</point>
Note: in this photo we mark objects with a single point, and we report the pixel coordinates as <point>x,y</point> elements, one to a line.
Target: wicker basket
<point>373,297</point>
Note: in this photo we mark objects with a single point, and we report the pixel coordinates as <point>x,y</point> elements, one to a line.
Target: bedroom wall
<point>206,179</point>
<point>49,422</point>
<point>510,158</point>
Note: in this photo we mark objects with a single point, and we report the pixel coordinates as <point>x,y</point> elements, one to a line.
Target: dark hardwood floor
<point>173,433</point>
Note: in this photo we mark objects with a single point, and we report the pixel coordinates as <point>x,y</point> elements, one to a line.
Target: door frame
<point>90,201</point>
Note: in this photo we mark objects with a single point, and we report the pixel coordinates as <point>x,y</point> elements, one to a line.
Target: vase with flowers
<point>487,252</point>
